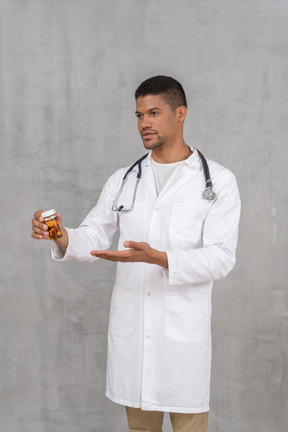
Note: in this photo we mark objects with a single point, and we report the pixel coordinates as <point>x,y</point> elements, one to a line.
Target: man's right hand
<point>40,230</point>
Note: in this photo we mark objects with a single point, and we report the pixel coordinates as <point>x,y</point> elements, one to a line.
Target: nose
<point>146,122</point>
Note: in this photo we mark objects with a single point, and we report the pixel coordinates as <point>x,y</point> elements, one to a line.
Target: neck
<point>171,155</point>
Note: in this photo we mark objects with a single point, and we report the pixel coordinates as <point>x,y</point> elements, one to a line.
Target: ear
<point>181,113</point>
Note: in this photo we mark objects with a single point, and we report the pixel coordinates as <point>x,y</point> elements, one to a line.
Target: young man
<point>173,244</point>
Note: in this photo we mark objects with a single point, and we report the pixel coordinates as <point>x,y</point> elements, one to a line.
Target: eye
<point>139,116</point>
<point>154,113</point>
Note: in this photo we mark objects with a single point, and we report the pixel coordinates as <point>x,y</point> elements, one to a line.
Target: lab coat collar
<point>193,161</point>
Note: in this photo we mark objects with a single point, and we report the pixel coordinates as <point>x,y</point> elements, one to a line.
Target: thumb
<point>59,217</point>
<point>130,244</point>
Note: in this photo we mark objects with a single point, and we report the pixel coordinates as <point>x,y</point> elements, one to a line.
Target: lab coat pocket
<point>121,312</point>
<point>186,225</point>
<point>186,317</point>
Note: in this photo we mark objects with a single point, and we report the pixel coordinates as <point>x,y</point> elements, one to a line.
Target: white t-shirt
<point>162,172</point>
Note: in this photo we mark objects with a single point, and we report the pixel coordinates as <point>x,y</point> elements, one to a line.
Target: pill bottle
<point>50,219</point>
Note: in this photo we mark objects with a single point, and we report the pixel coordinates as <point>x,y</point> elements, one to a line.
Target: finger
<point>110,255</point>
<point>103,254</point>
<point>38,224</point>
<point>40,237</point>
<point>96,253</point>
<point>36,236</point>
<point>39,230</point>
<point>37,215</point>
<point>42,230</point>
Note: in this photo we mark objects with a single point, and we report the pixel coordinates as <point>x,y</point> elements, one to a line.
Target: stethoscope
<point>208,193</point>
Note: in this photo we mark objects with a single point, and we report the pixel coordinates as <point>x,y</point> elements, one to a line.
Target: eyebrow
<point>151,109</point>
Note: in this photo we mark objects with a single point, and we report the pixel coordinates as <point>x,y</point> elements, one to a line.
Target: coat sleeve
<point>220,233</point>
<point>96,232</point>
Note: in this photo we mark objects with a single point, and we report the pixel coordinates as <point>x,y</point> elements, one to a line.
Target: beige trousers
<point>151,421</point>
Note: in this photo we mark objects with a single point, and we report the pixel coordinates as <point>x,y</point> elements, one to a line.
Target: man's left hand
<point>137,252</point>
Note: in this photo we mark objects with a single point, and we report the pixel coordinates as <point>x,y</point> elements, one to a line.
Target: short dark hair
<point>168,88</point>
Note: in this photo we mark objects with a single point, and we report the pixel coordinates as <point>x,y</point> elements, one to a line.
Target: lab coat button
<point>156,208</point>
<point>148,337</point>
<point>149,293</point>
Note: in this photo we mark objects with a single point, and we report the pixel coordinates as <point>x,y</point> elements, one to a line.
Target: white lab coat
<point>159,341</point>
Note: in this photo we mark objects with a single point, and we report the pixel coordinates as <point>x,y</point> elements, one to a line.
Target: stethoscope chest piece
<point>209,194</point>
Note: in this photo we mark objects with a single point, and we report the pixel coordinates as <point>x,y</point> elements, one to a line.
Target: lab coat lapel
<point>182,174</point>
<point>179,178</point>
<point>149,186</point>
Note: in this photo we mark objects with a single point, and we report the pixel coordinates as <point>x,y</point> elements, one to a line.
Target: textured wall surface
<point>67,76</point>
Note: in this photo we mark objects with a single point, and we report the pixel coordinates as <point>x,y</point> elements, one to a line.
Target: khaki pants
<point>151,421</point>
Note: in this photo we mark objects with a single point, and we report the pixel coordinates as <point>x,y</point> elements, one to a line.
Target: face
<point>158,124</point>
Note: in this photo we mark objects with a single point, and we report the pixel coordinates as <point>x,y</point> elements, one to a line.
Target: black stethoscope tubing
<point>208,193</point>
<point>138,162</point>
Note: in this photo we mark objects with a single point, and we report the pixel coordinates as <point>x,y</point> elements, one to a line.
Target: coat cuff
<point>57,253</point>
<point>171,272</point>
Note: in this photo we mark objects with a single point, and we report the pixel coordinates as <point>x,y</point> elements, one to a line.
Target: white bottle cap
<point>48,213</point>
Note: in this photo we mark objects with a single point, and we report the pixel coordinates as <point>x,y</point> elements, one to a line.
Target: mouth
<point>147,134</point>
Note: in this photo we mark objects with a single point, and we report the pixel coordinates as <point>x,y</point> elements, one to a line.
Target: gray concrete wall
<point>68,72</point>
